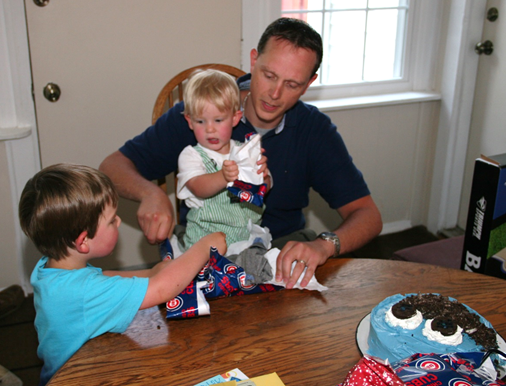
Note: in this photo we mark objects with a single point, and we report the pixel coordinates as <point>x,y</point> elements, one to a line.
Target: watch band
<point>332,237</point>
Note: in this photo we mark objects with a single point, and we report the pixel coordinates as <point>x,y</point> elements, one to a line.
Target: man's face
<point>279,77</point>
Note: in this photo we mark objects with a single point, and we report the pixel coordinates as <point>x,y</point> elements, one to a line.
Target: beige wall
<point>394,147</point>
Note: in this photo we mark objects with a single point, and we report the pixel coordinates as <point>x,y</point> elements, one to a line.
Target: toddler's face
<point>106,235</point>
<point>213,128</point>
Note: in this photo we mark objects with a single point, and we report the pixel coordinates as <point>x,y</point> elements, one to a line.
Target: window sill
<point>8,133</point>
<point>374,101</point>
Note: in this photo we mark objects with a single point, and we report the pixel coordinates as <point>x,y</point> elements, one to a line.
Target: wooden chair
<point>172,93</point>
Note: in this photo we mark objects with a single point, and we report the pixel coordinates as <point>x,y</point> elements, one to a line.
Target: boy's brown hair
<point>60,202</point>
<point>212,86</point>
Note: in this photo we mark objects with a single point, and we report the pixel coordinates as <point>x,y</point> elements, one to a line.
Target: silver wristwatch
<point>331,237</point>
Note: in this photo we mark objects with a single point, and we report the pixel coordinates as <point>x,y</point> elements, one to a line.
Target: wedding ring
<point>303,262</point>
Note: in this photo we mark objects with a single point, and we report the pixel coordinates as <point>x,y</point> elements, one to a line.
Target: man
<point>301,144</point>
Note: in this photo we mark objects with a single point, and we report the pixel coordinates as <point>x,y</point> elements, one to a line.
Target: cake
<point>403,325</point>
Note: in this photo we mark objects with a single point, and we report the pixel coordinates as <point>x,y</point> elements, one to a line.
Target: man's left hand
<point>310,254</point>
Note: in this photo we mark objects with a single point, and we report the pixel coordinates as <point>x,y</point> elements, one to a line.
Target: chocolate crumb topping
<point>444,325</point>
<point>403,310</point>
<point>434,306</point>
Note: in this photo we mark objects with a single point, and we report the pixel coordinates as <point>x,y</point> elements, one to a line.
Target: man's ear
<point>81,242</point>
<point>313,78</point>
<point>253,55</point>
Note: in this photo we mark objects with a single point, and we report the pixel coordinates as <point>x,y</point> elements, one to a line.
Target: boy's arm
<point>207,185</point>
<point>138,273</point>
<point>176,274</point>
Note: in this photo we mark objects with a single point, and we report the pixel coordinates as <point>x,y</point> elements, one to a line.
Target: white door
<point>488,123</point>
<point>110,59</point>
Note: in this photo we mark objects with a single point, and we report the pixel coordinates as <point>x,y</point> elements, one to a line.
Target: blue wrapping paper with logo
<point>454,369</point>
<point>246,192</point>
<point>218,278</point>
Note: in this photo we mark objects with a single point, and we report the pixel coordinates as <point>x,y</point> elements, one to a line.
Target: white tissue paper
<point>246,156</point>
<point>256,234</point>
<point>313,284</point>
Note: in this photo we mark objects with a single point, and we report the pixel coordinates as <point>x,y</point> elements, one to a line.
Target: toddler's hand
<point>230,170</point>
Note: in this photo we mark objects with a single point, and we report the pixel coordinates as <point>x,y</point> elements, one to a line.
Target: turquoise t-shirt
<point>74,306</point>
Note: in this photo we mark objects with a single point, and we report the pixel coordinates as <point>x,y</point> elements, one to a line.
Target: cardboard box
<point>485,237</point>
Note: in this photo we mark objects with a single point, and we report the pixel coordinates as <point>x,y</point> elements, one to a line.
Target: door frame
<point>18,124</point>
<point>457,95</point>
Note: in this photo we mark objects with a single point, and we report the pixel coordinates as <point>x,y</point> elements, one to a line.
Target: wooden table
<point>307,337</point>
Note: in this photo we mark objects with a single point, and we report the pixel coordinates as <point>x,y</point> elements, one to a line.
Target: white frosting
<point>452,340</point>
<point>408,324</point>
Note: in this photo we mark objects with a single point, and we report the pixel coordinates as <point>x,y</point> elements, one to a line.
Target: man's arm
<point>362,222</point>
<point>155,213</point>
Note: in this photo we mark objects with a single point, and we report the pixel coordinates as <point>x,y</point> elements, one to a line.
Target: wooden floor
<point>18,338</point>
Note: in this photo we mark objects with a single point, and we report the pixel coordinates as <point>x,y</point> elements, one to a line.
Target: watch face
<point>332,237</point>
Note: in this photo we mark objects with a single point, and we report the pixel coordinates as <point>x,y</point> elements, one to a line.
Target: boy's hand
<point>217,240</point>
<point>230,170</point>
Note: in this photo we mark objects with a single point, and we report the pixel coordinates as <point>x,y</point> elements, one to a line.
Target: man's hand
<point>155,214</point>
<point>262,164</point>
<point>362,222</point>
<point>156,217</point>
<point>310,254</point>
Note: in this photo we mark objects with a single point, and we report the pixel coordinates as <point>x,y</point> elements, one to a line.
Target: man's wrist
<point>332,238</point>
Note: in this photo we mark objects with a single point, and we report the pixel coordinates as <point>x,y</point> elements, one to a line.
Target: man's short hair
<point>60,202</point>
<point>297,32</point>
<point>210,86</point>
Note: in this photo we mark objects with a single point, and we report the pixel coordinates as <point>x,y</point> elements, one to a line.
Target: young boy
<point>212,109</point>
<point>69,212</point>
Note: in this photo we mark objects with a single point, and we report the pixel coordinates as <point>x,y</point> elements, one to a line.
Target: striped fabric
<point>219,214</point>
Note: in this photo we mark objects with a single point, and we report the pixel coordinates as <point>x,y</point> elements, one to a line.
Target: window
<point>368,34</point>
<point>371,47</point>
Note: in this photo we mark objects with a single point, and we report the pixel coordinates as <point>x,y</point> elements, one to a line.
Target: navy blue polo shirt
<point>308,152</point>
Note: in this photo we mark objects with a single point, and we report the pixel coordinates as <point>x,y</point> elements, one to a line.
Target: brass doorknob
<point>486,47</point>
<point>52,92</point>
<point>41,3</point>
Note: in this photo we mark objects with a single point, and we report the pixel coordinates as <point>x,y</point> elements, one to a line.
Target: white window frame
<point>422,46</point>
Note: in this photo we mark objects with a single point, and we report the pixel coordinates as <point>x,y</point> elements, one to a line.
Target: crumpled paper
<point>313,284</point>
<point>246,157</point>
<point>372,371</point>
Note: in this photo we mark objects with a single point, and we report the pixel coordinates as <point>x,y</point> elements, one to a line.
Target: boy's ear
<point>81,243</point>
<point>237,117</point>
<point>188,119</point>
